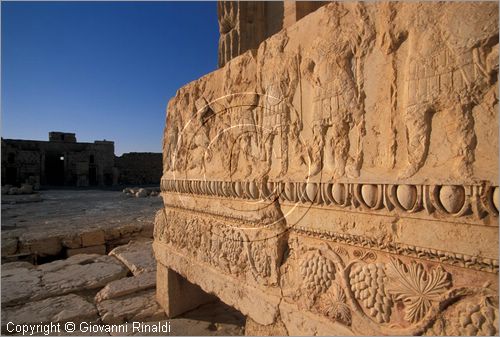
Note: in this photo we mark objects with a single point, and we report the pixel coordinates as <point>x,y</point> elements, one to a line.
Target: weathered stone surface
<point>142,193</point>
<point>13,190</point>
<point>40,246</point>
<point>20,282</point>
<point>100,249</point>
<point>213,319</point>
<point>42,229</point>
<point>72,241</point>
<point>137,256</point>
<point>176,294</point>
<point>92,238</point>
<point>79,272</point>
<point>253,328</point>
<point>245,25</point>
<point>138,307</point>
<point>26,189</point>
<point>9,246</point>
<point>68,308</point>
<point>126,286</point>
<point>360,191</point>
<point>182,327</point>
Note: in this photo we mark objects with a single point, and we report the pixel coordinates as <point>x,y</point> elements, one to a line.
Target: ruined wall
<point>139,168</point>
<point>343,178</point>
<point>39,162</point>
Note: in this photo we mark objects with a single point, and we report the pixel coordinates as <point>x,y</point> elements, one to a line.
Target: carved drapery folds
<point>345,170</point>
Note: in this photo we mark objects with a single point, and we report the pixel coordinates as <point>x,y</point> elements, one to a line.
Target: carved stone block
<point>342,178</point>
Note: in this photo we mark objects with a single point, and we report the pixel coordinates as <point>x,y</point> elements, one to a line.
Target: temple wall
<point>343,177</point>
<point>139,168</point>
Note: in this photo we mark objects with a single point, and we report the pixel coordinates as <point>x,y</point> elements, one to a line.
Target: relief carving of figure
<point>444,74</point>
<point>199,152</point>
<point>240,132</point>
<point>171,141</point>
<point>338,101</point>
<point>278,80</point>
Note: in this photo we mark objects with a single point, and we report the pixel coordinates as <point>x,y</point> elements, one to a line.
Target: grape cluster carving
<point>367,283</point>
<point>231,246</point>
<point>317,273</point>
<point>478,319</point>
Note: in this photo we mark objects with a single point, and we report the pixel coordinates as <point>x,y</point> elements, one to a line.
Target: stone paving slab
<point>127,286</point>
<point>59,309</point>
<point>72,219</point>
<point>80,272</point>
<point>140,306</point>
<point>22,282</point>
<point>137,256</point>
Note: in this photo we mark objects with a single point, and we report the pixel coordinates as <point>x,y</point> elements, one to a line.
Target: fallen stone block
<point>142,193</point>
<point>60,309</point>
<point>139,307</point>
<point>13,191</point>
<point>79,272</point>
<point>26,189</point>
<point>20,281</point>
<point>126,286</point>
<point>137,256</point>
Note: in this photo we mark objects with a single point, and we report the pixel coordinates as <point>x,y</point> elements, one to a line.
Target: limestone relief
<point>353,287</point>
<point>337,77</point>
<point>446,70</point>
<point>343,174</point>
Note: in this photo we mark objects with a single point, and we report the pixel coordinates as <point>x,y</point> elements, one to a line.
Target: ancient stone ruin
<point>340,176</point>
<point>62,161</point>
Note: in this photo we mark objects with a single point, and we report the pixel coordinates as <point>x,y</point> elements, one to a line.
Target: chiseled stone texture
<point>342,176</point>
<point>79,272</point>
<point>137,256</point>
<point>140,307</point>
<point>127,286</point>
<point>22,282</point>
<point>59,309</point>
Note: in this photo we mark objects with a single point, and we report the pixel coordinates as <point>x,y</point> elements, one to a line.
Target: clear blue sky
<point>104,70</point>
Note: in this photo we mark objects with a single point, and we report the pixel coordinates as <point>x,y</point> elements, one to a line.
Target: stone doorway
<point>11,175</point>
<point>54,168</point>
<point>92,175</point>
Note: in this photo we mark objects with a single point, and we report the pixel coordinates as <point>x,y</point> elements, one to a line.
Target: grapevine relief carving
<point>350,288</point>
<point>416,287</point>
<point>434,68</point>
<point>368,285</point>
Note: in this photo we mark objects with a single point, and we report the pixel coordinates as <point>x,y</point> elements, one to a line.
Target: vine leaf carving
<point>416,287</point>
<point>337,308</point>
